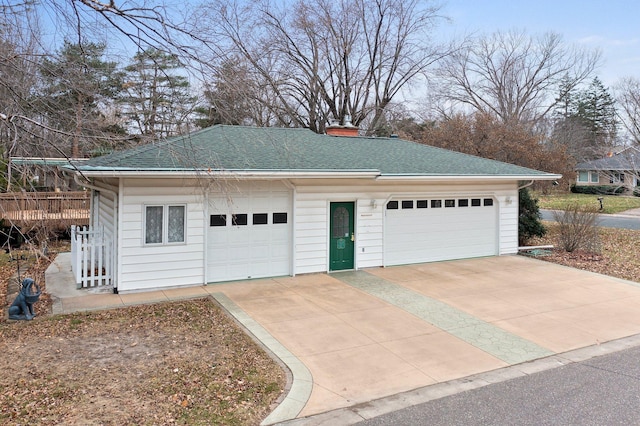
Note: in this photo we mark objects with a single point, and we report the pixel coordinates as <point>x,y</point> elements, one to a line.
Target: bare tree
<point>512,75</point>
<point>628,99</point>
<point>331,60</point>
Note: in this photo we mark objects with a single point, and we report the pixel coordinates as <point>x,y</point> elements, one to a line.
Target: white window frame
<point>165,225</point>
<point>594,177</point>
<point>584,174</point>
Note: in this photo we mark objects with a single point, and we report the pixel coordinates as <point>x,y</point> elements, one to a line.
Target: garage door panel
<point>435,234</point>
<point>250,250</point>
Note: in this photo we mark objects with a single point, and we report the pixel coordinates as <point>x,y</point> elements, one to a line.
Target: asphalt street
<point>599,391</point>
<point>605,220</point>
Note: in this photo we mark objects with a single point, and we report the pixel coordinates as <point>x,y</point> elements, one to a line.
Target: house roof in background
<point>225,148</point>
<point>627,159</point>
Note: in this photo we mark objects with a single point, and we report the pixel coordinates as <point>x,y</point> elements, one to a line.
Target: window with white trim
<point>583,176</point>
<point>595,177</point>
<point>164,224</point>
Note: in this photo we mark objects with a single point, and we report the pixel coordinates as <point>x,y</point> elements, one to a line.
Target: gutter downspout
<point>526,185</point>
<point>89,185</point>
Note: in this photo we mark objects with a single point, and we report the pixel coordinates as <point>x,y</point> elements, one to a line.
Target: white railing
<point>91,254</point>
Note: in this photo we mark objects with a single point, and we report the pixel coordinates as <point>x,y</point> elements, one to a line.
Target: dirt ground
<point>170,363</point>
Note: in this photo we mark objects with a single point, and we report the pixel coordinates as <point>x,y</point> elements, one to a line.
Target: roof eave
<point>236,174</point>
<point>441,177</point>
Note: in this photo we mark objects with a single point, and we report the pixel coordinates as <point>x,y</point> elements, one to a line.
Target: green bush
<point>597,189</point>
<point>529,224</point>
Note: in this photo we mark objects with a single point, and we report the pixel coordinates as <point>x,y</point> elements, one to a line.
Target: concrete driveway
<point>352,337</point>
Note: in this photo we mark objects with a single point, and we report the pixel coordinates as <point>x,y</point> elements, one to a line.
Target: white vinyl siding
<point>160,265</point>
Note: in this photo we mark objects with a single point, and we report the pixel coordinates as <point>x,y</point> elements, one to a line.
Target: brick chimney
<point>348,129</point>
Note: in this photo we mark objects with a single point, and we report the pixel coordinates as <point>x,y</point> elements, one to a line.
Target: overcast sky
<point>613,26</point>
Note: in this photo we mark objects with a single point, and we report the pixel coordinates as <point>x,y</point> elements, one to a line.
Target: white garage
<point>243,202</point>
<point>427,229</point>
<point>249,233</point>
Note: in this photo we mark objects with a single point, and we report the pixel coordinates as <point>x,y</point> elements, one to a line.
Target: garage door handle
<point>352,237</point>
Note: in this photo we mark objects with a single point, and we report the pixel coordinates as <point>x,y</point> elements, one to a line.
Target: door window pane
<point>340,223</point>
<point>176,224</point>
<point>153,225</point>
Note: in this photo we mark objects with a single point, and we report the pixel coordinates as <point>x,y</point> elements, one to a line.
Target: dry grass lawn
<point>171,363</point>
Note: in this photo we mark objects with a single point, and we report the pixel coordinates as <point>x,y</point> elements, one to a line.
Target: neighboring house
<point>616,170</point>
<point>232,203</point>
<point>41,174</point>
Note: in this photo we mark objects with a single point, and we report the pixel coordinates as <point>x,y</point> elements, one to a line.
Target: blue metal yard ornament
<point>22,306</point>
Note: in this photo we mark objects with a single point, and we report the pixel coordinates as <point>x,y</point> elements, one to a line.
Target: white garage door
<point>433,229</point>
<point>249,233</point>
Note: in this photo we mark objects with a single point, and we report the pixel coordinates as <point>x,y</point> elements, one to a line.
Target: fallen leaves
<point>138,365</point>
<point>618,256</point>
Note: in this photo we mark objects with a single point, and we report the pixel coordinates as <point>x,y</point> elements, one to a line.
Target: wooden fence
<point>55,209</point>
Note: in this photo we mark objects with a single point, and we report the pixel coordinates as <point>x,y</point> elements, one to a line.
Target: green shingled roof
<point>252,149</point>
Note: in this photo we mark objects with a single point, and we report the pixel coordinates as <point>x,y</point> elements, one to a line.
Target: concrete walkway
<point>354,337</point>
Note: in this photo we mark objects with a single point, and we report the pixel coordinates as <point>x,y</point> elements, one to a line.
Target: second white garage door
<point>249,233</point>
<point>433,229</point>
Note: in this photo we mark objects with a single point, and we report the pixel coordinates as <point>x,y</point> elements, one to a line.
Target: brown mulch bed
<point>618,256</point>
<point>171,363</point>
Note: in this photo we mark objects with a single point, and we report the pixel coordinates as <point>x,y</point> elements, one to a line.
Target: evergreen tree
<point>156,99</point>
<point>596,107</point>
<point>78,86</point>
<point>529,224</point>
<point>585,120</point>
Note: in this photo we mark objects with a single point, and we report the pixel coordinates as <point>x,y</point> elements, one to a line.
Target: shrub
<point>529,224</point>
<point>578,228</point>
<point>598,189</point>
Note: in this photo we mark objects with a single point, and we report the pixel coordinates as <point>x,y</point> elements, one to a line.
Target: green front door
<point>342,237</point>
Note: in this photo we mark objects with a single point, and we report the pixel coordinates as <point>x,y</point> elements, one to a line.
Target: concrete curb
<point>302,385</point>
